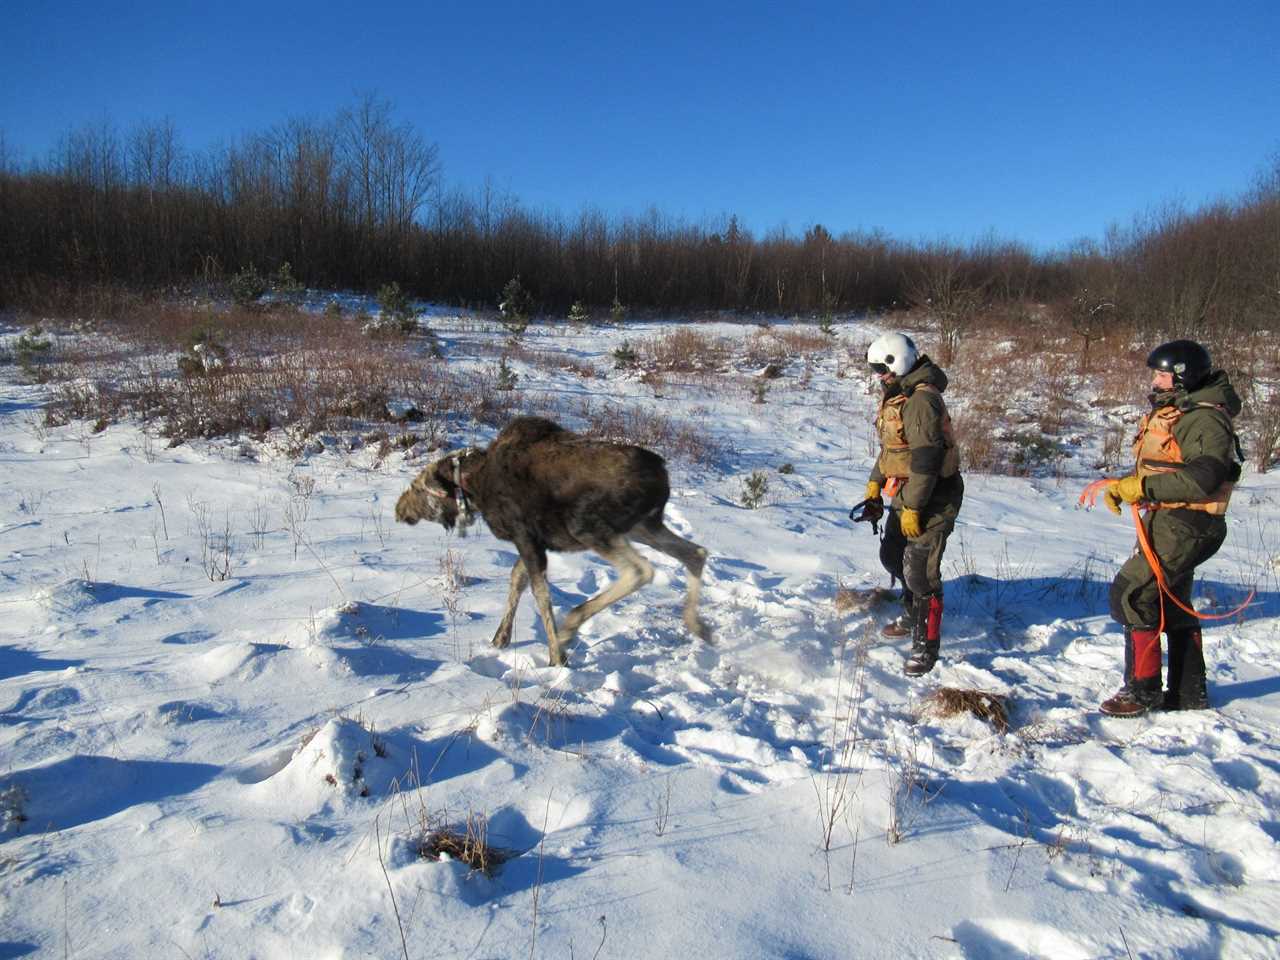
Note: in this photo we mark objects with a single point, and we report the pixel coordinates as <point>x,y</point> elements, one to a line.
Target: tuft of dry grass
<point>466,842</point>
<point>952,701</point>
<point>852,600</point>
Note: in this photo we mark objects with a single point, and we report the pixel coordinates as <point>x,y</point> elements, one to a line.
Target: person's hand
<point>1126,490</point>
<point>873,490</point>
<point>909,520</point>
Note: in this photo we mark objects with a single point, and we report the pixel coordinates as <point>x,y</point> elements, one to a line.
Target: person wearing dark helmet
<point>919,466</point>
<point>1187,462</point>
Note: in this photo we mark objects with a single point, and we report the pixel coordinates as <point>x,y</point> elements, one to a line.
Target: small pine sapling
<point>755,488</point>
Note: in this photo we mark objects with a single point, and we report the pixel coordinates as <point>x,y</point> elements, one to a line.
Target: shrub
<point>624,357</point>
<point>826,319</point>
<point>30,350</point>
<point>247,287</point>
<point>397,312</point>
<point>506,378</point>
<point>516,307</point>
<point>617,313</point>
<point>578,313</point>
<point>755,487</point>
<point>203,353</point>
<point>285,285</point>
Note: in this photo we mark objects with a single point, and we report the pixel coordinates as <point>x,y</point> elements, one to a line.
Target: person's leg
<point>892,550</point>
<point>922,567</point>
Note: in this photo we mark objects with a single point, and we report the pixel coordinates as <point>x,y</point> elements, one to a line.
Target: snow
<point>247,766</point>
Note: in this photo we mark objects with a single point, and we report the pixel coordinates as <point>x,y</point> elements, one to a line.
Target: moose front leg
<point>535,563</point>
<point>519,580</point>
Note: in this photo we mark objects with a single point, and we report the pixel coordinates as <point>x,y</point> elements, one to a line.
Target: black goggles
<point>881,368</point>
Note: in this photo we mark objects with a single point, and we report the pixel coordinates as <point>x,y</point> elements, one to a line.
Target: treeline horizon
<point>359,200</point>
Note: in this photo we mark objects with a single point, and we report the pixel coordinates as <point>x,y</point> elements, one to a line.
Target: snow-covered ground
<point>198,766</point>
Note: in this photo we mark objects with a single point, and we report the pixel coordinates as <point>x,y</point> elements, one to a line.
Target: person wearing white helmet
<point>919,467</point>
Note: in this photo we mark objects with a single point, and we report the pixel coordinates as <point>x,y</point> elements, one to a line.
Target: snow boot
<point>903,624</point>
<point>897,628</point>
<point>926,637</point>
<point>1141,691</point>
<point>1187,688</point>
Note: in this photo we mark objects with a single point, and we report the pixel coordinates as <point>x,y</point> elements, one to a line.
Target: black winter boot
<point>1187,689</point>
<point>926,636</point>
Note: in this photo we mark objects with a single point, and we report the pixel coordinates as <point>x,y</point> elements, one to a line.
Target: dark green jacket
<point>1206,437</point>
<point>922,422</point>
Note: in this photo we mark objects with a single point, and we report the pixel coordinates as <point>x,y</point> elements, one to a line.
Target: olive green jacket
<point>923,421</point>
<point>1206,437</point>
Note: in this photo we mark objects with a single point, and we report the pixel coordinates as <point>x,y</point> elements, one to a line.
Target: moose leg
<point>654,533</point>
<point>634,571</point>
<point>534,560</point>
<point>519,580</point>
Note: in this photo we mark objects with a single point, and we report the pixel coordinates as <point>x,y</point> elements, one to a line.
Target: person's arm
<point>922,423</point>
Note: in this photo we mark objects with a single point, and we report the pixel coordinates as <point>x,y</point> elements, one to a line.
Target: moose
<point>544,488</point>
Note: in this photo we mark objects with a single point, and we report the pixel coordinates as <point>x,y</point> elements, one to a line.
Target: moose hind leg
<point>519,581</point>
<point>634,571</point>
<point>660,537</point>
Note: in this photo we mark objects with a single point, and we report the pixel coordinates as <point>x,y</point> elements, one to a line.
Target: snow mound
<point>339,765</point>
<point>72,597</point>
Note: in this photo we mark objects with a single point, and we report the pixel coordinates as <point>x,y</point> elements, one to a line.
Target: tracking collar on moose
<point>543,489</point>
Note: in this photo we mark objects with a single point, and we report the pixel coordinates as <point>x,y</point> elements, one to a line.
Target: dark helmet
<point>1185,359</point>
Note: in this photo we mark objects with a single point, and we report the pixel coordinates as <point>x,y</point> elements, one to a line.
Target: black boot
<point>1139,694</point>
<point>926,636</point>
<point>1187,689</point>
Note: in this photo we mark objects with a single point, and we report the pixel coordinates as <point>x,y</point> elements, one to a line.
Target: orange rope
<point>1145,543</point>
<point>1089,497</point>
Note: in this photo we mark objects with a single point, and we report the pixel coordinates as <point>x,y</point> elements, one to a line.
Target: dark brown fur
<point>545,489</point>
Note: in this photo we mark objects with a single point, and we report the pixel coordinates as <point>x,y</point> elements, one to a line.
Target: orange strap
<point>892,486</point>
<point>1089,497</point>
<point>1145,543</point>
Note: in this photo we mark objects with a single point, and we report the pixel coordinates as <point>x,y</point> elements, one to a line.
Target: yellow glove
<point>1128,490</point>
<point>909,520</point>
<point>873,490</point>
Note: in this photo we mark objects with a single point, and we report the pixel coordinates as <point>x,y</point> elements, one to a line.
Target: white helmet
<point>894,351</point>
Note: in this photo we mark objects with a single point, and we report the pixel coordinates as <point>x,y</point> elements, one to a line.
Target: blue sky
<point>1042,122</point>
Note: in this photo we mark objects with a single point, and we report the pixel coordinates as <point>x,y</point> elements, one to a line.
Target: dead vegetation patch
<point>466,842</point>
<point>946,702</point>
<point>853,600</point>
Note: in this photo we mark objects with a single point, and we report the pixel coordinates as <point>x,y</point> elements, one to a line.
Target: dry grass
<point>679,439</point>
<point>991,708</point>
<point>466,842</point>
<point>850,600</point>
<point>684,350</point>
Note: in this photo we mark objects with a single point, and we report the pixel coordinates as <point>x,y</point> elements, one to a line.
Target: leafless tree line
<point>359,200</point>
